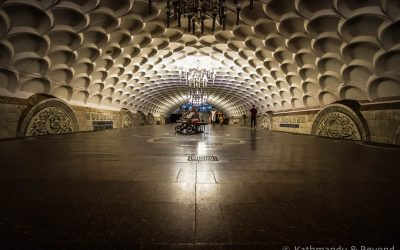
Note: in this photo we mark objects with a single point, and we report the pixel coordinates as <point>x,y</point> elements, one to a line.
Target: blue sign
<point>201,108</point>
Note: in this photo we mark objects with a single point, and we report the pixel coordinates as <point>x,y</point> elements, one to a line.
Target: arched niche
<point>341,120</point>
<point>150,119</point>
<point>264,122</point>
<point>46,116</point>
<point>141,118</point>
<point>127,118</point>
<point>162,120</point>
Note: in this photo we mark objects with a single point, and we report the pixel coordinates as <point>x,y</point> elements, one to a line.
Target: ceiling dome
<point>284,55</point>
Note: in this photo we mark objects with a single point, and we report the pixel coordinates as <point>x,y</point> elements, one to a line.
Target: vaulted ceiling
<point>284,54</point>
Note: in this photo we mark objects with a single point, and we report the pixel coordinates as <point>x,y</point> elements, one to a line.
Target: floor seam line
<point>215,179</point>
<point>177,176</point>
<point>225,223</point>
<point>195,207</point>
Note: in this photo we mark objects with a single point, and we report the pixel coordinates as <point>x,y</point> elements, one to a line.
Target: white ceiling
<point>284,54</point>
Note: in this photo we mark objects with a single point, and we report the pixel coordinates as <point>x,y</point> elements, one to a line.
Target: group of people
<point>189,114</point>
<point>216,117</point>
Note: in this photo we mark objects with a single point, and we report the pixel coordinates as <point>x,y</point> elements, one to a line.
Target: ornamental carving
<point>150,119</point>
<point>338,125</point>
<point>265,123</point>
<point>162,120</point>
<point>49,120</point>
<point>141,118</point>
<point>126,121</point>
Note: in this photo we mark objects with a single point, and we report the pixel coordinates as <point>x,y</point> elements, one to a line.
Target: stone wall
<point>83,119</point>
<point>383,121</point>
<point>159,120</point>
<point>384,125</point>
<point>347,119</point>
<point>300,123</point>
<point>293,123</point>
<point>42,115</point>
<point>87,118</point>
<point>10,115</point>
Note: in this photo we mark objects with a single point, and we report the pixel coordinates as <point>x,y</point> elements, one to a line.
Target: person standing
<point>221,118</point>
<point>213,116</point>
<point>253,116</point>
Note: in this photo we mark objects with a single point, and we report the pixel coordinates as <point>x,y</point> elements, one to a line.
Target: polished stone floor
<point>135,189</point>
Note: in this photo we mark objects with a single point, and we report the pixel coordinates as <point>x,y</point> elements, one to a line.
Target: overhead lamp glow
<point>195,61</point>
<point>197,79</point>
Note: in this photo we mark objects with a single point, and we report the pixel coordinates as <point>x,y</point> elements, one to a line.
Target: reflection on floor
<point>135,188</point>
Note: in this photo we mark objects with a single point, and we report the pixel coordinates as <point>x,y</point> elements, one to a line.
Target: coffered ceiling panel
<point>283,55</point>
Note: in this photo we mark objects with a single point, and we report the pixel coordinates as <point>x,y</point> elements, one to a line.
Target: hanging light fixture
<point>198,97</point>
<point>197,11</point>
<point>197,79</point>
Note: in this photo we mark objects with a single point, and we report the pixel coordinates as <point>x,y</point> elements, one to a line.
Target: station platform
<point>228,188</point>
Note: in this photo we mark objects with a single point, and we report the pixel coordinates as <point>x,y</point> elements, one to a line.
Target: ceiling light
<point>197,11</point>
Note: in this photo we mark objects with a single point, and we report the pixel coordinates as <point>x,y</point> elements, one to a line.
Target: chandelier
<point>198,97</point>
<point>197,11</point>
<point>197,79</point>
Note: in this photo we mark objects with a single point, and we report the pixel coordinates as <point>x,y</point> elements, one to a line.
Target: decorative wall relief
<point>46,116</point>
<point>265,122</point>
<point>338,125</point>
<point>50,120</point>
<point>150,119</point>
<point>126,121</point>
<point>135,120</point>
<point>342,122</point>
<point>141,118</point>
<point>162,120</point>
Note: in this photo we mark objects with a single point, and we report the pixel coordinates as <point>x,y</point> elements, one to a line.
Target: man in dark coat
<point>253,116</point>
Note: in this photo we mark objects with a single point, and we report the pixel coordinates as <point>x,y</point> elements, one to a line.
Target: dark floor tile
<point>158,223</point>
<point>210,224</point>
<point>222,193</point>
<point>62,221</point>
<point>159,192</point>
<point>121,189</point>
<point>293,192</point>
<point>91,191</point>
<point>157,175</point>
